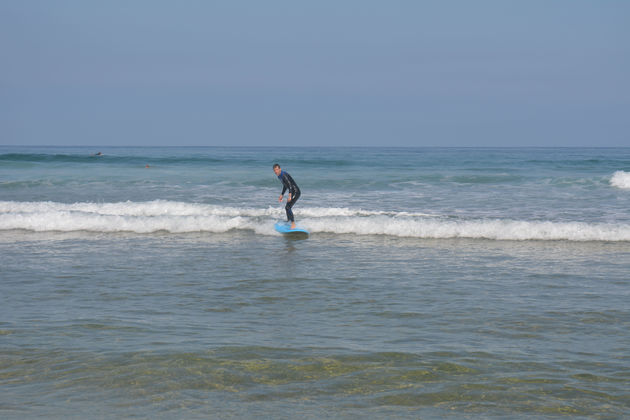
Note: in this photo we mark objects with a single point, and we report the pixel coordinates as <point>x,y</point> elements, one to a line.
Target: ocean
<point>436,282</point>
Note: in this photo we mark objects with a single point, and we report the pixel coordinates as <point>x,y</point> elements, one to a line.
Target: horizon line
<point>316,147</point>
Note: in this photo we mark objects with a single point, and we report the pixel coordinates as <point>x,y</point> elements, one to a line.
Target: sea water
<point>436,282</point>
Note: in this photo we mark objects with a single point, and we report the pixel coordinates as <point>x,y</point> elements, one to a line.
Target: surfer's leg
<point>290,217</point>
<point>289,210</point>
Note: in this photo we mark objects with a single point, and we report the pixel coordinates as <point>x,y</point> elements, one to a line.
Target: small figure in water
<point>294,192</point>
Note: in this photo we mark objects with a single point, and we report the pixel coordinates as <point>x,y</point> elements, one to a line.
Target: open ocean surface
<point>436,282</point>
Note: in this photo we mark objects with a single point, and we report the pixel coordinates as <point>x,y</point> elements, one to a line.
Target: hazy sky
<point>307,73</point>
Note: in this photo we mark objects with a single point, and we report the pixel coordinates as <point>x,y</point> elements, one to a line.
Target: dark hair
<point>275,165</point>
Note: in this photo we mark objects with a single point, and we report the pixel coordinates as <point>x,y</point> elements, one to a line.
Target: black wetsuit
<point>289,184</point>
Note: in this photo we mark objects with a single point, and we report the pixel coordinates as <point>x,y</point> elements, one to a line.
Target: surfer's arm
<point>284,188</point>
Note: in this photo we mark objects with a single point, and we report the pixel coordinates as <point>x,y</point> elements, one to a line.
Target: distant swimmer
<point>97,154</point>
<point>294,192</point>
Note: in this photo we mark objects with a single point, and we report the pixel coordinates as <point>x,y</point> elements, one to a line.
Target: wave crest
<point>620,179</point>
<point>180,217</point>
<point>495,229</point>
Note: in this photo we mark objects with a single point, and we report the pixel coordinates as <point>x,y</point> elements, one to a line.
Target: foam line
<point>179,217</point>
<point>495,229</point>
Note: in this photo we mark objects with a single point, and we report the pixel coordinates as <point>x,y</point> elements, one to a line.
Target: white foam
<point>128,216</point>
<point>620,179</point>
<point>478,229</point>
<point>179,217</point>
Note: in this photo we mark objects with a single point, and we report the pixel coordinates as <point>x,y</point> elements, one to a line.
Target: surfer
<point>294,192</point>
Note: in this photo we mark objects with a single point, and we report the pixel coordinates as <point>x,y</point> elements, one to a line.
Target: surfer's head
<point>276,169</point>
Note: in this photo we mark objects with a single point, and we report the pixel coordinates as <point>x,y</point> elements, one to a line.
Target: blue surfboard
<point>285,228</point>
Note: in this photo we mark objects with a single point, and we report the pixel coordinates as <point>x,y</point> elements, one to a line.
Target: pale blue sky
<point>347,73</point>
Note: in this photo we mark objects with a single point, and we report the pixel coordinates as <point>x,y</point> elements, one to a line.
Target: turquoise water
<point>463,283</point>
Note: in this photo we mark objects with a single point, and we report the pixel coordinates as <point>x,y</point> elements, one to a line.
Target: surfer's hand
<point>280,199</point>
<point>289,199</point>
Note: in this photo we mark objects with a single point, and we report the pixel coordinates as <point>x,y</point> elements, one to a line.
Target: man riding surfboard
<point>294,192</point>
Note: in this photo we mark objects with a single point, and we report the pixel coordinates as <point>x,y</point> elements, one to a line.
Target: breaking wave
<point>620,179</point>
<point>181,217</point>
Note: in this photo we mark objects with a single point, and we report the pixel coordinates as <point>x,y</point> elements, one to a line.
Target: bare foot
<point>292,225</point>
